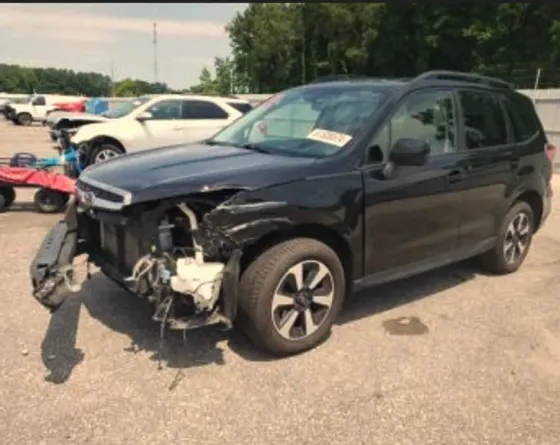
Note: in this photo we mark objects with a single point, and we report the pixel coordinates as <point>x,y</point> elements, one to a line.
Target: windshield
<point>311,122</point>
<point>127,107</point>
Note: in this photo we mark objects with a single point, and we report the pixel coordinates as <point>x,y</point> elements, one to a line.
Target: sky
<point>94,36</point>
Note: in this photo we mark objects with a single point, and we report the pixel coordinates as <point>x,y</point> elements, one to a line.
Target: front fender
<point>334,202</point>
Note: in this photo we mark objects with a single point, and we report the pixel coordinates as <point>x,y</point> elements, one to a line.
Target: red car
<point>78,107</point>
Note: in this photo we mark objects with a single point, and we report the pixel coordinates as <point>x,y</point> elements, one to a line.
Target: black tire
<point>49,201</point>
<point>7,197</point>
<point>260,281</point>
<point>24,119</point>
<point>495,259</point>
<point>96,150</point>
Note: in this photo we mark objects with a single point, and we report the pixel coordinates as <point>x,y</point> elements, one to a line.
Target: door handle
<point>177,128</point>
<point>456,176</point>
<point>515,161</point>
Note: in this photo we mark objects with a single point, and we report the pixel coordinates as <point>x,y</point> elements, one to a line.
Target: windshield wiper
<point>252,147</point>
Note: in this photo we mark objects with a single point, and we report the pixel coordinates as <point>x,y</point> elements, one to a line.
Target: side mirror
<point>410,152</point>
<point>144,116</point>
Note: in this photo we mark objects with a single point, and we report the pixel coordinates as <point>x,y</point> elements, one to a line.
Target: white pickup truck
<point>37,108</point>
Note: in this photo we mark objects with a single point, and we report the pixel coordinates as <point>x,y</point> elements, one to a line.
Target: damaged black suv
<point>318,191</point>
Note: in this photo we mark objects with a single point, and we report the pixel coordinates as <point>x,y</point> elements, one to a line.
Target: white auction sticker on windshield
<point>329,137</point>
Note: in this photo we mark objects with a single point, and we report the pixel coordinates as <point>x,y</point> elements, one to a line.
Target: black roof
<point>429,76</point>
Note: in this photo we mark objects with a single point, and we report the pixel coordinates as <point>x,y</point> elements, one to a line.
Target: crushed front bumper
<point>51,269</point>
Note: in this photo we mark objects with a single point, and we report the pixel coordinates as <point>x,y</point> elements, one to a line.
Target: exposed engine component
<point>184,274</point>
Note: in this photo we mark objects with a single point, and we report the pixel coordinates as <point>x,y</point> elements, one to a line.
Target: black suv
<point>320,190</point>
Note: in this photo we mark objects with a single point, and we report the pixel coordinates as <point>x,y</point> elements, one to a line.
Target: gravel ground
<point>479,362</point>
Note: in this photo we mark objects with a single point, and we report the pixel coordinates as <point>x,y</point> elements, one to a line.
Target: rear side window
<point>485,123</point>
<point>241,107</point>
<point>523,118</point>
<point>201,109</point>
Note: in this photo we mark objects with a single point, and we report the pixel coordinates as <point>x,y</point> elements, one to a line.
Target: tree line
<point>280,45</point>
<point>24,80</point>
<point>275,46</point>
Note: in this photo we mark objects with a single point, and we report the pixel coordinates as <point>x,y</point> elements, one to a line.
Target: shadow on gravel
<point>126,314</point>
<point>385,297</point>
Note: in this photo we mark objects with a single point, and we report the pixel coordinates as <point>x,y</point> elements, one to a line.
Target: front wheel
<point>514,240</point>
<point>290,295</point>
<point>103,152</point>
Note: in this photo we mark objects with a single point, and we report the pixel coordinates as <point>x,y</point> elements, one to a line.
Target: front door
<point>164,127</point>
<point>39,105</point>
<point>411,215</point>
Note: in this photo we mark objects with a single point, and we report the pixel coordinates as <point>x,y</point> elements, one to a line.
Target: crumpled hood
<point>173,171</point>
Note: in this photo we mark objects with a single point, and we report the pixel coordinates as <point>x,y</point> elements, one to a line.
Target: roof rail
<point>336,78</point>
<point>465,77</point>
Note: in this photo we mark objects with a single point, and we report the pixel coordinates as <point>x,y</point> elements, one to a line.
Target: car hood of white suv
<point>105,128</point>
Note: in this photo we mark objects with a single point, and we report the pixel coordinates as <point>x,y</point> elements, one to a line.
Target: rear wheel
<point>290,295</point>
<point>514,240</point>
<point>49,201</point>
<point>103,152</point>
<point>24,119</point>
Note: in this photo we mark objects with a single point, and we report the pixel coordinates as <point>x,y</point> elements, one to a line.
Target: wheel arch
<point>535,201</point>
<point>319,232</point>
<point>108,139</point>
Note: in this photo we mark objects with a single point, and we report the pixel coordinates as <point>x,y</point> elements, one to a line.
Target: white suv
<point>156,121</point>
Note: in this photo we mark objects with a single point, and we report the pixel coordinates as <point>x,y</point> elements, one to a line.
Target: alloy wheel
<point>518,236</point>
<point>105,154</point>
<point>302,300</point>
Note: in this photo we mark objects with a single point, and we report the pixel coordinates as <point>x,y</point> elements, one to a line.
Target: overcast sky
<point>89,36</point>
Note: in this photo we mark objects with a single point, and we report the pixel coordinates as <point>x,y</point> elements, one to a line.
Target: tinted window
<point>166,110</point>
<point>427,116</point>
<point>485,124</point>
<point>39,100</point>
<point>241,107</point>
<point>522,117</point>
<point>201,109</point>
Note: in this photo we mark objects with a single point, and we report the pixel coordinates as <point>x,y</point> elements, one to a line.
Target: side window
<point>428,116</point>
<point>522,116</point>
<point>485,124</point>
<point>39,100</point>
<point>202,109</point>
<point>166,110</point>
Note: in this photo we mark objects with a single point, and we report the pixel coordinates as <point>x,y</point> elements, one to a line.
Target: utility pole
<point>155,54</point>
<point>112,80</point>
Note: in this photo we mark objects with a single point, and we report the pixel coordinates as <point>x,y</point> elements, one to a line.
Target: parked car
<point>38,106</point>
<point>321,190</point>
<point>156,121</point>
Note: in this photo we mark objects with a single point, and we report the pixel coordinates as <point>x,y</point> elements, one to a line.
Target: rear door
<point>491,164</point>
<point>411,215</point>
<point>202,119</point>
